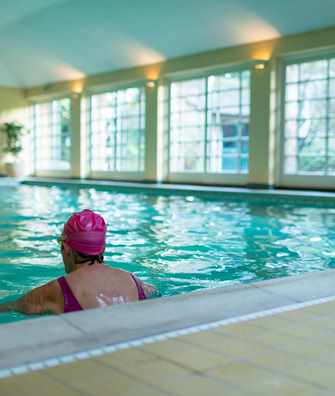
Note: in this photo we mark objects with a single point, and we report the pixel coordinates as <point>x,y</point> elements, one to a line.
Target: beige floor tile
<point>34,384</point>
<point>154,372</point>
<point>199,385</point>
<point>324,323</point>
<point>307,330</point>
<point>308,342</point>
<point>321,309</point>
<point>266,322</point>
<point>318,374</point>
<point>126,357</point>
<point>296,315</point>
<point>262,382</point>
<point>187,355</point>
<point>307,349</point>
<point>219,343</point>
<point>93,378</point>
<point>241,329</point>
<point>299,324</point>
<point>262,355</point>
<point>296,368</point>
<point>142,390</point>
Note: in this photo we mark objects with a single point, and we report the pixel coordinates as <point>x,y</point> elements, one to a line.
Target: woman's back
<point>98,286</point>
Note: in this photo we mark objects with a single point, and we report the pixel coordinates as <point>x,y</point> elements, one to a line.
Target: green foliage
<point>13,132</point>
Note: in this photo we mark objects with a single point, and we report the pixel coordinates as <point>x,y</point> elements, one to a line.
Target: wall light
<point>259,65</point>
<point>151,84</point>
<point>77,87</point>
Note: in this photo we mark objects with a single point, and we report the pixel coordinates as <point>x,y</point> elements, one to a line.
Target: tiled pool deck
<point>290,353</point>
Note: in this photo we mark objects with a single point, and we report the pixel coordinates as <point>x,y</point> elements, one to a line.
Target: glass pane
<point>313,70</point>
<point>312,127</point>
<point>331,165</point>
<point>331,127</point>
<point>311,164</point>
<point>230,163</point>
<point>331,146</point>
<point>332,68</point>
<point>291,165</point>
<point>291,128</point>
<point>313,89</point>
<point>244,164</point>
<point>291,110</point>
<point>230,146</point>
<point>291,147</point>
<point>292,92</point>
<point>332,88</point>
<point>311,146</point>
<point>312,109</point>
<point>292,73</point>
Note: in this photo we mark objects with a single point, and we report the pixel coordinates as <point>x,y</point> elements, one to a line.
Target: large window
<point>117,131</point>
<point>309,144</point>
<point>209,124</point>
<point>52,135</point>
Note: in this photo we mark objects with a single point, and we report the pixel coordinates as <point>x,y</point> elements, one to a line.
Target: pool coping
<point>48,341</point>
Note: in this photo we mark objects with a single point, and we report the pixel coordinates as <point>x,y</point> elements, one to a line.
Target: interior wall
<point>262,133</point>
<point>264,50</point>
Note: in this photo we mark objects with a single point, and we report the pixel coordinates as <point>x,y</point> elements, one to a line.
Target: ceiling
<point>44,41</point>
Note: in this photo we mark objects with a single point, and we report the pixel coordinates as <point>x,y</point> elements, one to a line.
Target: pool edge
<point>112,328</point>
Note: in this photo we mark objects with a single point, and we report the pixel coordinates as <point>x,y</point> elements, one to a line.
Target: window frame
<point>298,180</point>
<point>224,177</point>
<point>112,175</point>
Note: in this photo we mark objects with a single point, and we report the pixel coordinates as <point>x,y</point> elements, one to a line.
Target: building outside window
<point>209,124</point>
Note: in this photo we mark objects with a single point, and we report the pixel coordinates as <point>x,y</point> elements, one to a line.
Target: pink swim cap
<point>85,232</point>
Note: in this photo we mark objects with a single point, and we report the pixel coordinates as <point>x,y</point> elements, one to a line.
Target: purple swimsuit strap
<point>140,290</point>
<point>71,304</point>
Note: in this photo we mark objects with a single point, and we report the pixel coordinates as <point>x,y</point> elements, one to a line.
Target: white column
<point>76,144</point>
<point>151,149</point>
<point>259,128</point>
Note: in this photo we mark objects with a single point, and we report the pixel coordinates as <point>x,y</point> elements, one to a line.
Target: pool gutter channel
<point>184,189</point>
<point>44,342</point>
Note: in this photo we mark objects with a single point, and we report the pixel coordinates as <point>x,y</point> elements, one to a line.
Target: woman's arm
<point>46,298</point>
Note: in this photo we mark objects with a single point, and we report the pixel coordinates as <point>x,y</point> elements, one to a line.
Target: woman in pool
<point>89,283</point>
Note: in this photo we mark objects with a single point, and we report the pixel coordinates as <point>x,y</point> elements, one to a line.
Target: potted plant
<point>12,132</point>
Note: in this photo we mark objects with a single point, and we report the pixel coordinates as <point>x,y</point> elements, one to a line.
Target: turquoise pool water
<point>180,243</point>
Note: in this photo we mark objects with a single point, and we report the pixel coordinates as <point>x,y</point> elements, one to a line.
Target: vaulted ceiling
<point>43,41</point>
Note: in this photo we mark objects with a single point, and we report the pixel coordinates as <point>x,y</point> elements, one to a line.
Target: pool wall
<point>185,189</point>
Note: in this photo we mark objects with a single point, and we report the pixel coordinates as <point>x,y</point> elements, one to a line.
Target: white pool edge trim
<point>91,353</point>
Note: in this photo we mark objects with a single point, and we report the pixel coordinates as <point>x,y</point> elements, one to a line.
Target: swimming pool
<point>179,242</point>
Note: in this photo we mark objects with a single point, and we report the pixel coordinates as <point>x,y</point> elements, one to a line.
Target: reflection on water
<point>179,243</point>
